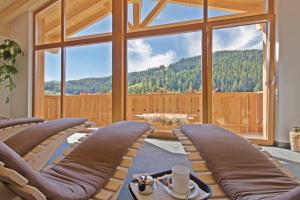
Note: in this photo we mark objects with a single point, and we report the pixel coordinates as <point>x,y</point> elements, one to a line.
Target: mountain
<point>233,71</point>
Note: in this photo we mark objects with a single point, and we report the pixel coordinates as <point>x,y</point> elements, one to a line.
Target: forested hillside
<point>233,71</point>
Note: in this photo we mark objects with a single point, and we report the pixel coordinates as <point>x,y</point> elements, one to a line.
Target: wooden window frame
<point>120,35</point>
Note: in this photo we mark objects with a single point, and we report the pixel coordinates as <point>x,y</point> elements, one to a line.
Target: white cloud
<point>141,56</point>
<point>48,78</point>
<point>237,38</point>
<point>193,43</point>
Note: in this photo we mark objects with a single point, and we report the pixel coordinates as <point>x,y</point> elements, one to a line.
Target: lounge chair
<point>233,167</point>
<point>38,143</point>
<point>10,127</point>
<point>95,169</point>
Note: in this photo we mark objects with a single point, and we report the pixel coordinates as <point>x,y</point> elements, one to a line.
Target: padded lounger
<point>241,170</point>
<point>26,140</point>
<point>82,173</point>
<point>10,127</point>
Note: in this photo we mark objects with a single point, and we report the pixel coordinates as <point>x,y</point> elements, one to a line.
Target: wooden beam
<point>240,20</point>
<point>63,59</point>
<point>119,65</point>
<point>206,71</point>
<point>236,5</point>
<point>43,10</point>
<point>225,5</point>
<point>154,12</point>
<point>166,29</point>
<point>272,73</point>
<point>137,13</point>
<point>15,9</point>
<point>82,21</point>
<point>72,13</point>
<point>88,21</point>
<point>39,72</point>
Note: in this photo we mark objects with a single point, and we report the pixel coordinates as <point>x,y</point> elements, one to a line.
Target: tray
<point>200,183</point>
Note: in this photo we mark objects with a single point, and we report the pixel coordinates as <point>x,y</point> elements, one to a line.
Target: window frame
<point>120,34</point>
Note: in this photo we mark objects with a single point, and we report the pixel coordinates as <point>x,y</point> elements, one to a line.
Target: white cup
<point>179,180</point>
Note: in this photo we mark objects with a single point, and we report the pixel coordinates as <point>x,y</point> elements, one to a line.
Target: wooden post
<point>272,73</point>
<point>265,78</point>
<point>137,13</point>
<point>39,72</point>
<point>63,59</point>
<point>119,60</point>
<point>206,68</point>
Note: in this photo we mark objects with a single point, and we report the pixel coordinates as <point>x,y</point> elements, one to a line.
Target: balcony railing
<point>240,112</point>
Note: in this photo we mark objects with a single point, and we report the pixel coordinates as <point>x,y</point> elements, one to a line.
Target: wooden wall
<point>239,112</point>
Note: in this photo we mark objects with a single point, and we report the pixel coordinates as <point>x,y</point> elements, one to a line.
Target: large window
<point>238,79</point>
<point>111,60</point>
<point>88,83</point>
<point>164,75</point>
<point>48,83</point>
<point>88,17</point>
<point>48,23</point>
<point>224,9</point>
<point>147,13</point>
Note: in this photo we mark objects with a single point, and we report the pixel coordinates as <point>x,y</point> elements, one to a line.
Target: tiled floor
<point>289,159</point>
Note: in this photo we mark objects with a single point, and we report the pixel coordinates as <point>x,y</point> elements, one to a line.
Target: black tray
<point>200,183</point>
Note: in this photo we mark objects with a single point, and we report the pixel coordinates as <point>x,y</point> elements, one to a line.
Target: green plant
<point>9,51</point>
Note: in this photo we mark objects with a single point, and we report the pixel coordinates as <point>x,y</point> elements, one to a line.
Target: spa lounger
<point>38,143</point>
<point>95,169</point>
<point>233,167</point>
<point>10,127</point>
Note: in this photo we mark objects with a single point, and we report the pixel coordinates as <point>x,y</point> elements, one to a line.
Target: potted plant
<point>9,51</point>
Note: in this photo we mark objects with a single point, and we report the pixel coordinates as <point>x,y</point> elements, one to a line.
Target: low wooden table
<point>164,123</point>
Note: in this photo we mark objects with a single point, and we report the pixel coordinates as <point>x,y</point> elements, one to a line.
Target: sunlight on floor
<point>75,137</point>
<point>283,154</point>
<point>168,145</point>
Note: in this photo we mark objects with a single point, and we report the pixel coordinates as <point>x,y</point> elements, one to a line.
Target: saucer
<point>195,191</point>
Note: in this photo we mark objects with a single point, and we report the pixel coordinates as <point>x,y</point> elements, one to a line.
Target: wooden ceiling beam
<point>106,11</point>
<point>154,12</point>
<point>236,5</point>
<point>83,23</point>
<point>79,14</point>
<point>15,9</point>
<point>226,5</point>
<point>72,13</point>
<point>137,13</point>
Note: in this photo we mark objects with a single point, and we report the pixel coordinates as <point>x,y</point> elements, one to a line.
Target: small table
<point>152,159</point>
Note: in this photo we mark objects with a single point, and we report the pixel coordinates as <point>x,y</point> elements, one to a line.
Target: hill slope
<point>233,71</point>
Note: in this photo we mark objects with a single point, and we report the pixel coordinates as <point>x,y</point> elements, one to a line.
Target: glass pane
<point>48,84</point>
<point>164,76</point>
<point>218,9</point>
<point>147,13</point>
<point>48,23</point>
<point>88,17</point>
<point>89,83</point>
<point>238,77</point>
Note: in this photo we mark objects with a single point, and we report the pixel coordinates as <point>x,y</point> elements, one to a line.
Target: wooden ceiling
<point>83,13</point>
<point>10,9</point>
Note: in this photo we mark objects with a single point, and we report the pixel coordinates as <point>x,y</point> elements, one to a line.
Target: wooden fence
<point>239,112</point>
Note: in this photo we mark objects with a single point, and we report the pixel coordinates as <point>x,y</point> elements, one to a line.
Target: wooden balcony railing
<point>239,112</point>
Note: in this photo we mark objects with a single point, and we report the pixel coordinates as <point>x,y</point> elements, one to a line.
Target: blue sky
<point>96,60</point>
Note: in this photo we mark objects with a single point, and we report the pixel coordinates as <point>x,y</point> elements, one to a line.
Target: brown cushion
<point>26,140</point>
<point>86,169</point>
<point>5,123</point>
<point>242,171</point>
